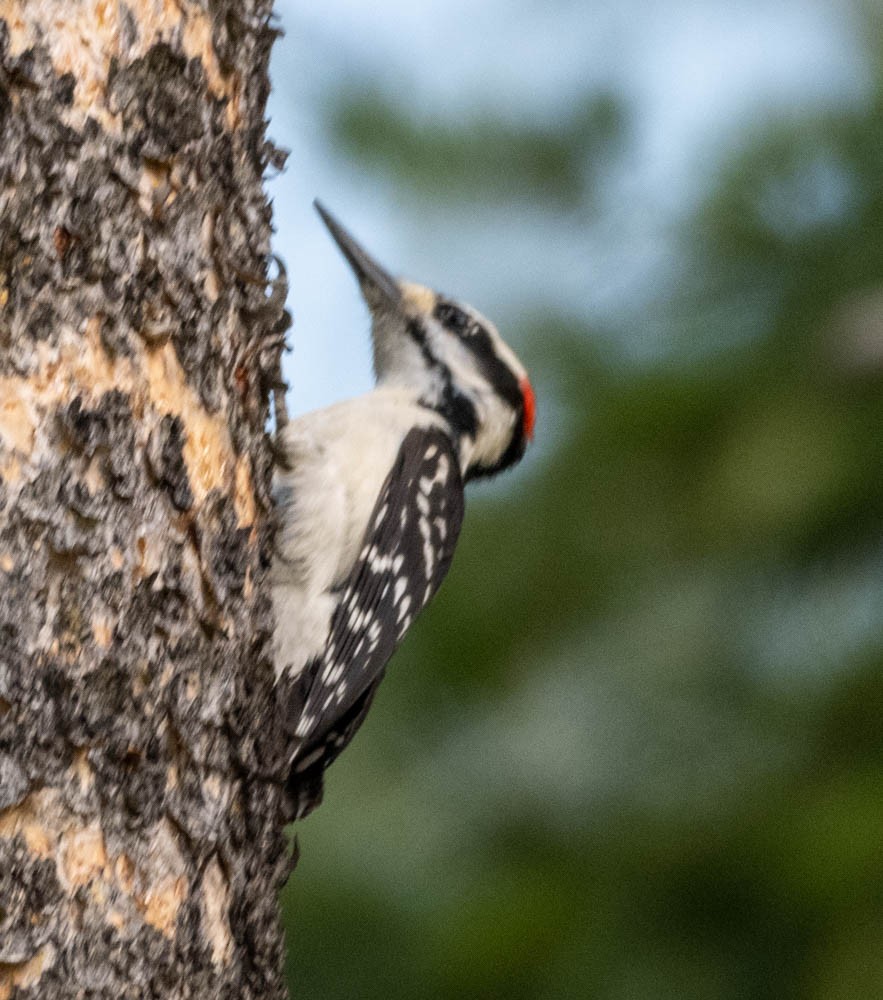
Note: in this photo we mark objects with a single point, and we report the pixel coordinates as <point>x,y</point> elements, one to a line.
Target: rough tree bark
<point>141,842</point>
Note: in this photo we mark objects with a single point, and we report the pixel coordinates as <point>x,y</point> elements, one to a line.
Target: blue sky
<point>694,73</point>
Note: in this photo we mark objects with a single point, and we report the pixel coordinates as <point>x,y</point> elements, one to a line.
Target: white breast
<point>340,457</point>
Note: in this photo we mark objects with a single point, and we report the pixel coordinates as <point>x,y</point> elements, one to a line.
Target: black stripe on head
<point>477,339</point>
<point>457,409</point>
<point>499,375</point>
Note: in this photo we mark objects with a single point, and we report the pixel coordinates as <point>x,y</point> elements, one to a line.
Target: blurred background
<point>634,748</point>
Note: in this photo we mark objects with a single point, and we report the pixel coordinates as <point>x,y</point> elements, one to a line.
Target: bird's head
<point>450,356</point>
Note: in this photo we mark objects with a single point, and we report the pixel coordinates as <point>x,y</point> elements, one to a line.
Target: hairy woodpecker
<point>370,495</point>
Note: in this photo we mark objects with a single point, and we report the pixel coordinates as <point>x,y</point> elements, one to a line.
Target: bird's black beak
<point>378,286</point>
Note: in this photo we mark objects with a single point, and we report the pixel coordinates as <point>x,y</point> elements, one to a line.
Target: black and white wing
<point>404,558</point>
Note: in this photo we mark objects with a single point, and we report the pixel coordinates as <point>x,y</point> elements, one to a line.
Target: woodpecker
<point>370,500</point>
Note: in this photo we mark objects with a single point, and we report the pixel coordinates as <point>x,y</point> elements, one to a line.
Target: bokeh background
<point>634,749</point>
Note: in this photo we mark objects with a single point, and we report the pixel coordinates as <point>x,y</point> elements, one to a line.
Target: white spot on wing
<point>381,516</point>
<point>310,758</point>
<point>306,723</point>
<point>332,673</point>
<point>428,550</point>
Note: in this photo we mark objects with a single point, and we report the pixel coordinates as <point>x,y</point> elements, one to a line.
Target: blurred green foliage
<point>483,158</point>
<point>639,754</point>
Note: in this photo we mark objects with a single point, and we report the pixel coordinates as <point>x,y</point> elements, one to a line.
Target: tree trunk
<point>141,840</point>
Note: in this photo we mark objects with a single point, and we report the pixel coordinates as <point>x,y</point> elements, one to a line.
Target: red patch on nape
<point>530,407</point>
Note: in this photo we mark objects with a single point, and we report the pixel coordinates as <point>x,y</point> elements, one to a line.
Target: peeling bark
<point>141,844</point>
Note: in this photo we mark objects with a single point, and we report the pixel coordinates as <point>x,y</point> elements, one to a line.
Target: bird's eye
<point>453,318</point>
